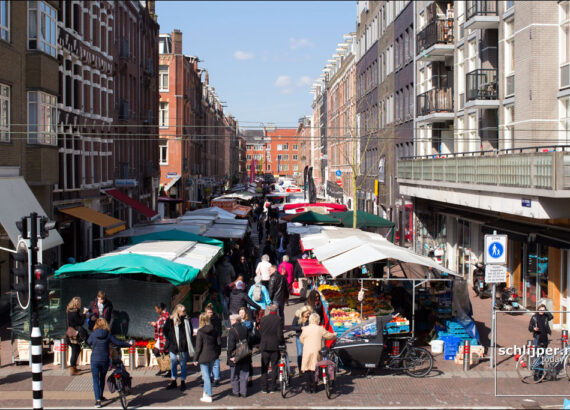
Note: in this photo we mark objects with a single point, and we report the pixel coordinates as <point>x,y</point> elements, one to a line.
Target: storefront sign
<point>382,170</point>
<point>496,249</point>
<point>171,175</point>
<point>527,203</point>
<point>126,182</point>
<point>495,273</point>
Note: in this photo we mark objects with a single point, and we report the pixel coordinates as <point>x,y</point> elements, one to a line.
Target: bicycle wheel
<point>567,367</point>
<point>123,397</point>
<point>328,388</point>
<point>529,369</point>
<point>283,387</point>
<point>418,362</point>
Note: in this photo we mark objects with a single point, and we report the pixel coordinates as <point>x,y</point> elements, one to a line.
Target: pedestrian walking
<point>100,341</point>
<point>242,268</point>
<point>539,326</point>
<point>274,233</point>
<point>278,290</point>
<point>281,245</point>
<point>286,269</point>
<point>208,342</point>
<point>312,337</point>
<point>100,307</point>
<point>251,337</point>
<point>159,339</point>
<point>239,298</point>
<point>259,293</point>
<point>300,320</point>
<point>226,275</point>
<point>263,270</point>
<point>271,332</point>
<point>75,318</point>
<point>239,367</point>
<point>216,321</point>
<point>178,331</point>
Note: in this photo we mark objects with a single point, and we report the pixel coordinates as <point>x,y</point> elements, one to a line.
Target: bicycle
<point>121,381</point>
<point>532,368</point>
<point>284,370</point>
<point>323,370</point>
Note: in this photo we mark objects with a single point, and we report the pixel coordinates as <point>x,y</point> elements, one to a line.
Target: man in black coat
<point>239,298</point>
<point>271,332</point>
<point>278,290</point>
<point>101,307</point>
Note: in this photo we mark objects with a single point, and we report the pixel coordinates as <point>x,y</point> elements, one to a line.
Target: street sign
<point>338,173</point>
<point>495,273</point>
<point>339,182</point>
<point>496,249</point>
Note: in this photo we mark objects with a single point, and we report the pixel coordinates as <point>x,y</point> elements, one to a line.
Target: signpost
<point>338,173</point>
<point>495,272</point>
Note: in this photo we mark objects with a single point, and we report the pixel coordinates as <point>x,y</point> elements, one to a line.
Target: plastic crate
<point>449,356</point>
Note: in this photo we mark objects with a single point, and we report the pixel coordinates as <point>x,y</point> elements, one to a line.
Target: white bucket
<point>436,346</point>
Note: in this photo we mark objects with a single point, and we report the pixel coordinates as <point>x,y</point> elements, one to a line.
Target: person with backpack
<point>239,298</point>
<point>259,293</point>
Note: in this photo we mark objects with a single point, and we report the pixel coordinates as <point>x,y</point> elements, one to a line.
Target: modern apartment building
<point>491,143</point>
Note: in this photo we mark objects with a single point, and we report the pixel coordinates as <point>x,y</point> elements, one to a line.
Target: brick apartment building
<point>256,154</point>
<point>284,152</point>
<point>179,119</point>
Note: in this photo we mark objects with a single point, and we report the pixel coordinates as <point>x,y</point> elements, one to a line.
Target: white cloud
<point>295,43</point>
<point>283,81</point>
<point>304,80</point>
<point>243,55</point>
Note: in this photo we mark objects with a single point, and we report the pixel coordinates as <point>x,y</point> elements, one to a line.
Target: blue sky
<point>262,57</point>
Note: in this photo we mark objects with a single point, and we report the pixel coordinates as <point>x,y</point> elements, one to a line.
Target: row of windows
<point>404,52</point>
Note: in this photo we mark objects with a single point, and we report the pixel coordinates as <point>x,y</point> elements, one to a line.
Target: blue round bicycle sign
<point>495,250</point>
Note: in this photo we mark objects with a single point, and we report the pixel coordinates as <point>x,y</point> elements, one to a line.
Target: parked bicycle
<point>284,370</point>
<point>120,381</point>
<point>533,368</point>
<point>327,370</point>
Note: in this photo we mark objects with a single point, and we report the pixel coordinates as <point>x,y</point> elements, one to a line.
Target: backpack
<point>257,293</point>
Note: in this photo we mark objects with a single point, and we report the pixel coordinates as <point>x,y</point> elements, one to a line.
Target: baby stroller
<point>119,380</point>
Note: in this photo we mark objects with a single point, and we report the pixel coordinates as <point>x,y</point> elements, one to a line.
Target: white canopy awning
<point>214,210</point>
<point>171,183</point>
<point>197,229</point>
<point>223,232</point>
<point>18,201</point>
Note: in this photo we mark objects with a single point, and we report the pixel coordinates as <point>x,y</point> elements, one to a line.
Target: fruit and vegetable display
<point>346,296</point>
<point>344,318</point>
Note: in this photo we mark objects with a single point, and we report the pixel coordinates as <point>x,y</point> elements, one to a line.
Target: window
<point>42,118</point>
<point>471,55</point>
<point>509,128</point>
<point>279,147</point>
<point>510,3</point>
<point>295,167</point>
<point>564,43</point>
<point>42,27</point>
<point>258,157</point>
<point>163,115</point>
<point>163,78</point>
<point>4,113</point>
<point>460,77</point>
<point>295,157</point>
<point>269,167</point>
<point>509,47</point>
<point>295,148</point>
<point>284,167</point>
<point>460,134</point>
<point>565,121</point>
<point>473,139</point>
<point>5,20</point>
<point>163,152</point>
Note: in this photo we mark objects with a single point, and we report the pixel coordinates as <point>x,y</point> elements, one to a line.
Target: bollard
<point>131,358</point>
<point>466,355</point>
<point>564,339</point>
<point>62,353</point>
<point>395,347</point>
<point>530,347</point>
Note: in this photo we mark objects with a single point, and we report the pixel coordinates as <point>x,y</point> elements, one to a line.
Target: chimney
<point>177,42</point>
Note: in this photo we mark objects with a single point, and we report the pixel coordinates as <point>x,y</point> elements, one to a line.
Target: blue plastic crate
<point>449,356</point>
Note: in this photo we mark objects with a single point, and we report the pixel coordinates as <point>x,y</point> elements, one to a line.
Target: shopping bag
<point>163,362</point>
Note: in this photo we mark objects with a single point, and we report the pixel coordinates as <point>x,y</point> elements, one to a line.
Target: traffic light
<point>45,226</point>
<point>39,278</point>
<point>21,269</point>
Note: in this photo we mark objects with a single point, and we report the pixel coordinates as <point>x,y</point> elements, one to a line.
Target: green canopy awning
<point>312,218</point>
<point>175,273</point>
<point>175,235</point>
<point>363,219</point>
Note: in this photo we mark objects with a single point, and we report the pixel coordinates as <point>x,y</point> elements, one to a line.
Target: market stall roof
<point>364,219</point>
<point>243,195</point>
<point>198,255</point>
<point>312,267</point>
<point>331,205</point>
<point>175,273</point>
<point>314,218</point>
<point>226,231</point>
<point>127,200</point>
<point>175,235</point>
<point>110,224</point>
<point>213,210</point>
<point>241,210</point>
<point>17,201</point>
<point>169,199</point>
<point>162,227</point>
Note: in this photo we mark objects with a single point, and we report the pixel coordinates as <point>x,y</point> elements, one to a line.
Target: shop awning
<point>313,218</point>
<point>312,267</point>
<point>171,183</point>
<point>110,224</point>
<point>18,201</point>
<point>175,235</point>
<point>127,200</point>
<point>175,273</point>
<point>363,219</point>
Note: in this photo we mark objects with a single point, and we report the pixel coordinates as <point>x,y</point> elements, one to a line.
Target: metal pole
<point>131,358</point>
<point>36,334</point>
<point>466,355</point>
<point>492,347</point>
<point>413,308</point>
<point>564,338</point>
<point>62,351</point>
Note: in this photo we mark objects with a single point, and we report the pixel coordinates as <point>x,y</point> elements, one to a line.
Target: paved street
<point>447,386</point>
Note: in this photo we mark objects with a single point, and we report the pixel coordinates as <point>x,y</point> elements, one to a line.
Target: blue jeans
<point>216,369</point>
<point>206,369</point>
<point>299,353</point>
<point>98,371</point>
<point>174,365</point>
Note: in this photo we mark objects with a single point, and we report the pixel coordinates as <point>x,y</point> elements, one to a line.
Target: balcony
<point>435,41</point>
<point>435,105</point>
<point>482,90</point>
<point>482,14</point>
<point>533,171</point>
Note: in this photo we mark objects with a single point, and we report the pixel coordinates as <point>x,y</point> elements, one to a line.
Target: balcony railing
<point>439,31</point>
<point>528,168</point>
<point>434,101</point>
<point>482,85</point>
<point>482,8</point>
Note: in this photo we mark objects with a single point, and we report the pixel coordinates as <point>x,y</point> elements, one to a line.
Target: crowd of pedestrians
<point>244,306</point>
